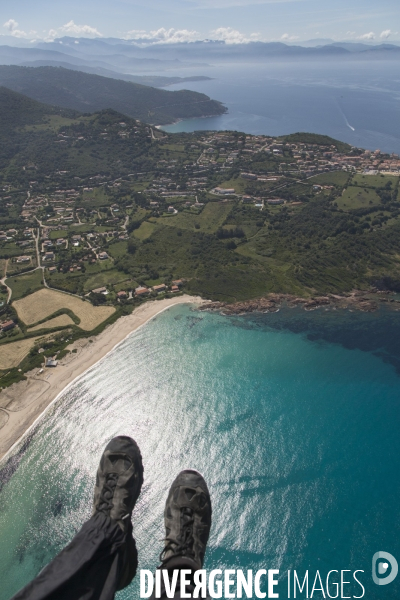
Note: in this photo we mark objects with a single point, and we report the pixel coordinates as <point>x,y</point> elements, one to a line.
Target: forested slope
<point>89,93</point>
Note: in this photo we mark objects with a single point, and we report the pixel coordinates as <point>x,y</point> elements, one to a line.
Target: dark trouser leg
<point>100,560</point>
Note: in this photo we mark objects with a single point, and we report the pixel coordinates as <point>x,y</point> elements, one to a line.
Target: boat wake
<point>345,118</point>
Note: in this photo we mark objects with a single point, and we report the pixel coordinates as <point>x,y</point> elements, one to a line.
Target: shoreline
<point>24,403</point>
<point>45,388</point>
<point>357,300</point>
<point>181,120</point>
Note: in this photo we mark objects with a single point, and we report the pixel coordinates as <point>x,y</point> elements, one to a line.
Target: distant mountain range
<point>95,74</point>
<point>86,92</point>
<point>258,51</point>
<point>123,62</point>
<point>127,57</point>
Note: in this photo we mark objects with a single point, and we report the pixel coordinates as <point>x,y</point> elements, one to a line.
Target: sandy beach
<point>23,403</point>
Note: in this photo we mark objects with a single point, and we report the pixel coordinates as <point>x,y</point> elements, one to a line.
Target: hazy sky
<point>232,20</point>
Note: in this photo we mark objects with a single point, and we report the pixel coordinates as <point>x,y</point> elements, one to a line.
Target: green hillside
<point>117,204</point>
<point>330,232</point>
<point>18,110</point>
<point>89,93</point>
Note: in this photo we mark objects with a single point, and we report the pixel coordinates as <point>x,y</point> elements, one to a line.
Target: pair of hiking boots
<point>187,514</point>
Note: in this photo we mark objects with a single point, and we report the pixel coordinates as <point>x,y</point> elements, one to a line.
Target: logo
<point>384,568</point>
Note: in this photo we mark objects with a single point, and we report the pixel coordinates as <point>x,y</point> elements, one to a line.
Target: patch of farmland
<point>144,231</point>
<point>210,218</point>
<point>12,354</point>
<point>60,321</point>
<point>45,302</point>
<point>358,197</point>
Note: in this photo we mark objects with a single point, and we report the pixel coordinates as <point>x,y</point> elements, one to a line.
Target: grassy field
<point>375,181</point>
<point>59,233</point>
<point>103,278</point>
<point>96,275</point>
<point>97,197</point>
<point>139,214</point>
<point>335,178</point>
<point>237,183</point>
<point>54,122</point>
<point>24,284</point>
<point>10,249</point>
<point>15,268</point>
<point>45,302</point>
<point>12,354</point>
<point>99,266</point>
<point>118,249</point>
<point>144,231</point>
<point>212,216</point>
<point>358,197</point>
<point>84,228</point>
<point>61,321</point>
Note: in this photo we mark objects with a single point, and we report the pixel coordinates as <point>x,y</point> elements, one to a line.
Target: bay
<point>292,417</point>
<point>357,102</point>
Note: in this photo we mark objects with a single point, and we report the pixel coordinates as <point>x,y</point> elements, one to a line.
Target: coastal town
<point>202,214</point>
<point>69,230</point>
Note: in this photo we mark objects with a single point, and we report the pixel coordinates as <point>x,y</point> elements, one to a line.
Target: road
<point>37,238</point>
<point>3,282</point>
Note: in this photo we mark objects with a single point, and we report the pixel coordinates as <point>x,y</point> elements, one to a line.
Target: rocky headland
<point>357,300</point>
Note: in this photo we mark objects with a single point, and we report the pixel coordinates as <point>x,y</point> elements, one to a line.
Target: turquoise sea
<point>292,417</point>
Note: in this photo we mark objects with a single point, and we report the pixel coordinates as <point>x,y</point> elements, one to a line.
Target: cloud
<point>233,36</point>
<point>367,36</point>
<point>164,36</point>
<point>385,34</point>
<point>173,36</point>
<point>176,36</point>
<point>12,27</point>
<point>74,30</point>
<point>289,38</point>
<point>80,30</point>
<point>228,35</point>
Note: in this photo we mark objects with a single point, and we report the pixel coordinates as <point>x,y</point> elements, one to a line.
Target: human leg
<point>187,518</point>
<point>102,557</point>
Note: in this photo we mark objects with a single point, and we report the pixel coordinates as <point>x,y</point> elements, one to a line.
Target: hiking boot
<point>187,518</point>
<point>119,480</point>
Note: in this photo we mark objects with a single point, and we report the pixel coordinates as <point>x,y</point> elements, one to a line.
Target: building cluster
<point>178,184</point>
<point>7,326</point>
<point>144,291</point>
<point>175,286</point>
<point>8,235</point>
<point>299,158</point>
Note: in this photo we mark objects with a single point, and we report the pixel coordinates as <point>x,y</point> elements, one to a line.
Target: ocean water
<point>356,102</point>
<point>292,417</point>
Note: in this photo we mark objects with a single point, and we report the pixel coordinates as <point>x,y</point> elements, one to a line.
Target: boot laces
<point>183,545</point>
<point>107,493</point>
